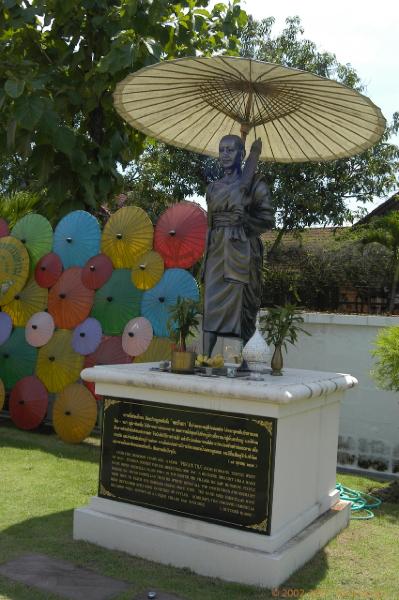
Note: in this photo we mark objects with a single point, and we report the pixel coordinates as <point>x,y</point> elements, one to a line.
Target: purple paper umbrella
<point>5,327</point>
<point>87,336</point>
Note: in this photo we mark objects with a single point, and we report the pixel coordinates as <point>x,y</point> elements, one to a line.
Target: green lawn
<point>43,479</point>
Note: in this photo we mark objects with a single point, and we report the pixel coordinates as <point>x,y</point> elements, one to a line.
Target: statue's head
<point>231,152</point>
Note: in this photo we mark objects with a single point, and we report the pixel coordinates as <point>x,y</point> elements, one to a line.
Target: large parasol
<point>36,233</point>
<point>87,336</point>
<point>157,301</point>
<point>74,413</point>
<point>39,329</point>
<point>193,102</point>
<point>77,238</point>
<point>17,358</point>
<point>48,270</point>
<point>28,402</point>
<point>109,352</point>
<point>116,302</point>
<point>96,271</point>
<point>57,363</point>
<point>14,268</point>
<point>127,234</point>
<point>69,301</point>
<point>137,336</point>
<point>180,234</point>
<point>147,270</point>
<point>30,300</point>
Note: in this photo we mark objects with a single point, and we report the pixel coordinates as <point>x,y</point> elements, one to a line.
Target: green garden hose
<point>359,502</point>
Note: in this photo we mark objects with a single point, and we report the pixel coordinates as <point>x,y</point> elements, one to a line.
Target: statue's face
<point>229,153</point>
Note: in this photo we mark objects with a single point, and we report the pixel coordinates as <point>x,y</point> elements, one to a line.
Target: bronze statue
<point>239,210</point>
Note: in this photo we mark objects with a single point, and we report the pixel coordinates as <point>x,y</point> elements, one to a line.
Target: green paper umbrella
<point>116,302</point>
<point>36,233</point>
<point>17,358</point>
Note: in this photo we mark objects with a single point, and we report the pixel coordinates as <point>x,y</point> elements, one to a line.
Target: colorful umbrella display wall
<point>65,305</point>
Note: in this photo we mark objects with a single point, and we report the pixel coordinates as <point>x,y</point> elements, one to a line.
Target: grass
<point>43,479</point>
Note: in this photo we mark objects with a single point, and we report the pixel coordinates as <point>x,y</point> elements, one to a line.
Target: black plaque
<point>204,464</point>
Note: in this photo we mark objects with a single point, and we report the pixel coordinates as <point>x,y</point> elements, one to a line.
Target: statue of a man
<point>239,210</point>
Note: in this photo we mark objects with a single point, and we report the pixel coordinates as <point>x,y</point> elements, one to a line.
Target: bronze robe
<point>232,269</point>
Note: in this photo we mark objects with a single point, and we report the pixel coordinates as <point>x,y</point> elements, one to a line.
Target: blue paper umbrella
<point>116,302</point>
<point>77,238</point>
<point>157,301</point>
<point>5,327</point>
<point>87,336</point>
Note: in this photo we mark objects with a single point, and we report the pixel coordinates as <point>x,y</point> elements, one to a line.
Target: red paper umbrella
<point>180,234</point>
<point>97,271</point>
<point>4,229</point>
<point>28,402</point>
<point>137,336</point>
<point>109,352</point>
<point>69,301</point>
<point>48,270</point>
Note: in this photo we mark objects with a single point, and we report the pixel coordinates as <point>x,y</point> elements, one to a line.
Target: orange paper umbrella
<point>28,402</point>
<point>180,234</point>
<point>39,329</point>
<point>147,270</point>
<point>30,300</point>
<point>70,301</point>
<point>57,363</point>
<point>137,336</point>
<point>36,233</point>
<point>2,394</point>
<point>159,349</point>
<point>74,413</point>
<point>127,234</point>
<point>97,271</point>
<point>14,268</point>
<point>48,270</point>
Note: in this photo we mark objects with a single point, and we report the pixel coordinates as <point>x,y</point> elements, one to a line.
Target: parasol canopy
<point>17,358</point>
<point>109,352</point>
<point>180,234</point>
<point>116,302</point>
<point>77,238</point>
<point>14,268</point>
<point>192,103</point>
<point>48,270</point>
<point>74,413</point>
<point>157,301</point>
<point>69,301</point>
<point>57,363</point>
<point>4,229</point>
<point>147,270</point>
<point>97,271</point>
<point>36,233</point>
<point>2,395</point>
<point>27,302</point>
<point>87,336</point>
<point>5,327</point>
<point>137,336</point>
<point>127,234</point>
<point>39,329</point>
<point>159,349</point>
<point>28,402</point>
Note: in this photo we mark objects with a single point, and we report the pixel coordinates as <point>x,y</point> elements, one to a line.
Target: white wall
<point>369,422</point>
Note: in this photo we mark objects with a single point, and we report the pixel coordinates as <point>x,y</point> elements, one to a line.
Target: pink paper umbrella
<point>5,327</point>
<point>137,336</point>
<point>4,229</point>
<point>87,336</point>
<point>28,402</point>
<point>39,329</point>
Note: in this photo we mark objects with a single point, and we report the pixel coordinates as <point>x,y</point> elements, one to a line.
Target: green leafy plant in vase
<point>183,322</point>
<point>281,326</point>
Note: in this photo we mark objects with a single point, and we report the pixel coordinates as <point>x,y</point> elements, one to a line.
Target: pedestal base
<point>184,542</point>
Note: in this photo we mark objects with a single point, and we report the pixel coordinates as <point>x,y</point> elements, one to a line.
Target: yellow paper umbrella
<point>147,270</point>
<point>14,268</point>
<point>160,348</point>
<point>127,234</point>
<point>74,413</point>
<point>2,394</point>
<point>58,364</point>
<point>30,300</point>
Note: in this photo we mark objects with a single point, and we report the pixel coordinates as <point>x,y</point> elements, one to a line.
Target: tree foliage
<point>60,62</point>
<point>386,351</point>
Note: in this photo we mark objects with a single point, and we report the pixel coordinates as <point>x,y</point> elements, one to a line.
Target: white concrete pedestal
<point>305,509</point>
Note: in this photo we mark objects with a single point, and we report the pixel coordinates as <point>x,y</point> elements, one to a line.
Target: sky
<point>363,33</point>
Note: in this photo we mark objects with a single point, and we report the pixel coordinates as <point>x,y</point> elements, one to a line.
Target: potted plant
<point>280,326</point>
<point>183,322</point>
